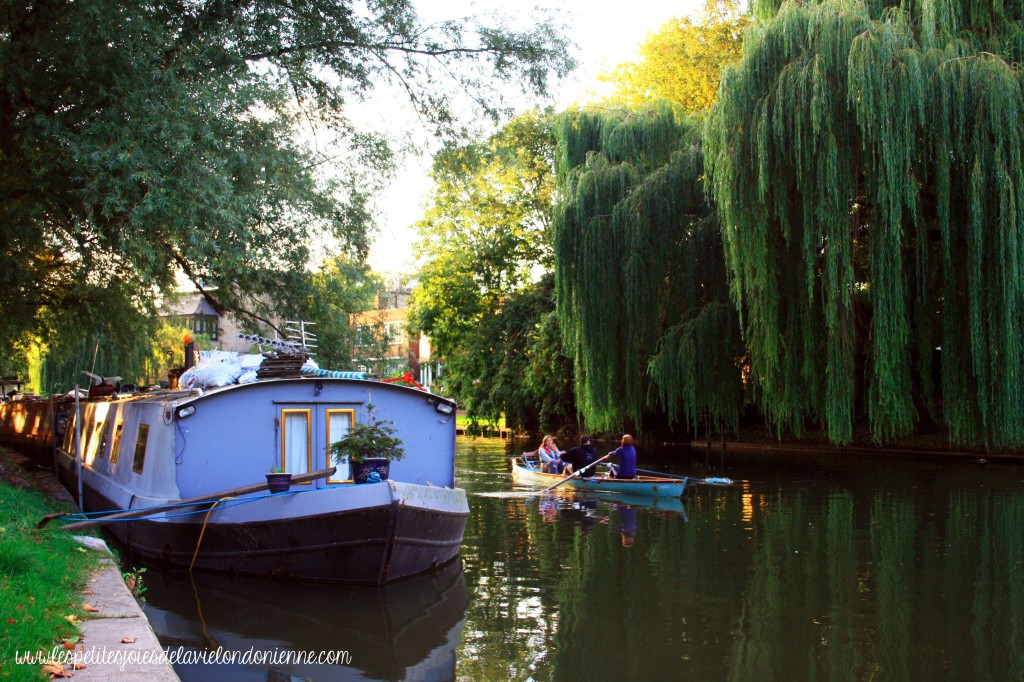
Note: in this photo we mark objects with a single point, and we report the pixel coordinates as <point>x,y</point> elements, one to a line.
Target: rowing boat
<point>649,486</point>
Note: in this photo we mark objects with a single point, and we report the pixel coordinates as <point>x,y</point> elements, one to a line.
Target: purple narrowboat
<point>162,450</point>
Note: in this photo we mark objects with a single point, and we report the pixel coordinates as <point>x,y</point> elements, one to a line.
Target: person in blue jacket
<point>626,453</point>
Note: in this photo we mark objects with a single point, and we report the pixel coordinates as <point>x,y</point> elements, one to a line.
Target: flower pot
<point>279,483</point>
<point>363,472</point>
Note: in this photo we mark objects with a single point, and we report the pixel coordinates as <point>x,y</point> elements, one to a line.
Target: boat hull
<point>363,534</point>
<point>648,486</point>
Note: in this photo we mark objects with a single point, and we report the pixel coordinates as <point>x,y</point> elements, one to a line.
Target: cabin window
<point>296,437</point>
<point>100,452</point>
<point>338,424</point>
<point>115,449</point>
<point>86,432</point>
<point>94,440</point>
<point>69,433</point>
<point>140,448</point>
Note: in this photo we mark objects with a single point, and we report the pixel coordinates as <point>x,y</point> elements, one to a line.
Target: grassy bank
<point>42,574</point>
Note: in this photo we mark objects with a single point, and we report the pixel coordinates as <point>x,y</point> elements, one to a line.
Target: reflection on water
<point>408,630</point>
<point>800,570</point>
<point>835,569</point>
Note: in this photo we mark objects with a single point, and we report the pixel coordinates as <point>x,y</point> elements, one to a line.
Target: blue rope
<point>85,516</point>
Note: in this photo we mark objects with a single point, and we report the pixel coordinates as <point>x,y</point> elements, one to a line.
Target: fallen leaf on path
<point>73,619</point>
<point>89,607</point>
<point>87,592</point>
<point>78,666</point>
<point>54,670</point>
<point>128,640</point>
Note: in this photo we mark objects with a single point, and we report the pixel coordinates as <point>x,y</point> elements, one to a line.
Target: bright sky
<point>607,33</point>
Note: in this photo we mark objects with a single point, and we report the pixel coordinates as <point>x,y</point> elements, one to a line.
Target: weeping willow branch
<point>868,157</point>
<point>641,287</point>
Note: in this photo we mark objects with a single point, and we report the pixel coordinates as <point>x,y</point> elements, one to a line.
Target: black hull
<point>366,546</point>
<point>369,546</point>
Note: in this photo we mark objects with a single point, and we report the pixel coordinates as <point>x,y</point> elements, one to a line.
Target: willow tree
<point>867,162</point>
<point>642,296</point>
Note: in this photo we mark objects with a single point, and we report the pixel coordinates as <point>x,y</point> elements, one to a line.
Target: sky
<point>606,32</point>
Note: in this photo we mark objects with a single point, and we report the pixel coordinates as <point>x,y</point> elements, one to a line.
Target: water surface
<point>827,569</point>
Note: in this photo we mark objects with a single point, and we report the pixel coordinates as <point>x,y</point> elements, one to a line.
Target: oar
<point>146,511</point>
<point>713,481</point>
<point>575,473</point>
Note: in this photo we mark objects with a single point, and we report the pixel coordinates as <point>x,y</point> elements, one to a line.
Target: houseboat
<point>154,455</point>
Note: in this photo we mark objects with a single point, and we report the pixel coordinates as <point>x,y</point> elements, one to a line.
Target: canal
<point>832,568</point>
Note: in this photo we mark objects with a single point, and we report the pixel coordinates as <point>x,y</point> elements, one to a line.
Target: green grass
<point>41,578</point>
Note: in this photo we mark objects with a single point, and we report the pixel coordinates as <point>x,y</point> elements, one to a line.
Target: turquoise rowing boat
<point>649,486</point>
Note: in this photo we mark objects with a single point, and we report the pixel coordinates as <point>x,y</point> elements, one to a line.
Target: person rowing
<point>626,452</point>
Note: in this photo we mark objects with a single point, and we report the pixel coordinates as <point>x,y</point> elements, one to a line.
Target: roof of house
<point>193,304</point>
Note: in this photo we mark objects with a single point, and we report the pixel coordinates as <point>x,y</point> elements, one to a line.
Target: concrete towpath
<point>116,641</point>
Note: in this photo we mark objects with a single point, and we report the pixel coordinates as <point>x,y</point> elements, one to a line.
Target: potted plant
<point>278,480</point>
<point>369,447</point>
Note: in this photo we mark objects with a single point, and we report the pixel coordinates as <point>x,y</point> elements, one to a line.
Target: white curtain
<point>296,442</point>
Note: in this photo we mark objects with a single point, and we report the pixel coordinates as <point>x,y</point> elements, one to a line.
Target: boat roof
<point>192,396</point>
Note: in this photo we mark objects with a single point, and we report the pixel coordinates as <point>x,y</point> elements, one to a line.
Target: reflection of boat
<point>672,505</point>
<point>649,486</point>
<point>153,451</point>
<point>408,630</point>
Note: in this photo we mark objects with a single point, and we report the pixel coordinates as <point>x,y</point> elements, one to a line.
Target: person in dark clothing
<point>627,459</point>
<point>580,456</point>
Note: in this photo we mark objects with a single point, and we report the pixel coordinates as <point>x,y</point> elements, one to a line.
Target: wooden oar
<point>576,473</point>
<point>146,511</point>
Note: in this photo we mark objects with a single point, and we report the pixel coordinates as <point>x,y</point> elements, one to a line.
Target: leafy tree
<point>867,161</point>
<point>340,288</point>
<point>681,61</point>
<point>642,292</point>
<point>139,139</point>
<point>109,332</point>
<point>486,237</point>
<point>376,341</point>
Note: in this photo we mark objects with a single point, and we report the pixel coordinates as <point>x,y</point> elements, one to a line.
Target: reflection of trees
<point>825,582</point>
<point>883,589</point>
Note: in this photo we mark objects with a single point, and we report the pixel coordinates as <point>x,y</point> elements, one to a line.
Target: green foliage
<point>340,288</point>
<point>134,581</point>
<point>142,139</point>
<point>641,286</point>
<point>866,159</point>
<point>379,344</point>
<point>108,332</point>
<point>681,61</point>
<point>486,238</point>
<point>512,365</point>
<point>41,574</point>
<point>372,438</point>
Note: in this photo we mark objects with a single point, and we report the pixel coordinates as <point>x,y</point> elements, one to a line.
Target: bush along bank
<point>42,574</point>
